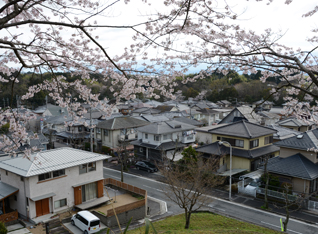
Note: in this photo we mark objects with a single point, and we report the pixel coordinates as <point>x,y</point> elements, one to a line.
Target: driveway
<point>76,230</point>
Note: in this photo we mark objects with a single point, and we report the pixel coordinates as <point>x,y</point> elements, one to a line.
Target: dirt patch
<point>119,200</point>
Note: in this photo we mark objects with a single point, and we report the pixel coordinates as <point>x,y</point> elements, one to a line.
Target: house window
<point>80,128</point>
<point>156,137</point>
<point>6,172</point>
<point>268,140</point>
<point>91,166</point>
<point>146,135</point>
<point>239,143</point>
<point>254,143</point>
<point>68,128</point>
<point>21,178</point>
<point>167,136</point>
<point>141,150</point>
<point>84,168</point>
<point>58,173</point>
<point>218,138</point>
<point>60,203</point>
<point>44,176</point>
<point>27,201</point>
<point>105,132</point>
<point>98,130</point>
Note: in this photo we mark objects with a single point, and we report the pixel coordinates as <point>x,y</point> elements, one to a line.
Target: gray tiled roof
<point>49,160</point>
<point>166,127</point>
<point>163,146</point>
<point>154,118</point>
<point>304,141</point>
<point>216,149</point>
<point>294,122</point>
<point>188,121</point>
<point>121,123</point>
<point>295,166</point>
<point>243,129</point>
<point>283,133</point>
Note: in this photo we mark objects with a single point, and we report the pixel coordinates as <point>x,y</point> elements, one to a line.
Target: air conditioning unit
<point>145,141</point>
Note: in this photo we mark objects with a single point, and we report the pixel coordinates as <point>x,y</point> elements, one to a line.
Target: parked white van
<point>86,221</point>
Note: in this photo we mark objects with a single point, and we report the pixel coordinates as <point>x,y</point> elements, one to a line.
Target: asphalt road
<point>224,207</point>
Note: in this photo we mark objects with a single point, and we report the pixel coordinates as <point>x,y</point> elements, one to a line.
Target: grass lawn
<point>204,223</point>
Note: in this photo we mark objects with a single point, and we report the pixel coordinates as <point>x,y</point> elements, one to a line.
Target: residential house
<point>76,133</point>
<point>51,181</point>
<point>299,157</point>
<point>203,134</point>
<point>144,111</point>
<point>162,139</point>
<point>268,118</point>
<point>262,105</point>
<point>166,108</point>
<point>113,132</point>
<point>297,124</point>
<point>249,144</point>
<point>224,103</point>
<point>50,110</point>
<point>242,113</point>
<point>283,133</point>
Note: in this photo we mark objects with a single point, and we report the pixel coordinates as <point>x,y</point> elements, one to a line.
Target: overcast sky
<point>253,15</point>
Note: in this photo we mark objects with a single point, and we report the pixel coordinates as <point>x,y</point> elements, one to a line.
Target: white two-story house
<point>113,132</point>
<point>162,139</point>
<point>51,181</point>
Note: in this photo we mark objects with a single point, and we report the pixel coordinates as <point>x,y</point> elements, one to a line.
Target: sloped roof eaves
<point>6,190</point>
<point>216,149</point>
<point>50,160</point>
<point>243,129</point>
<point>295,166</point>
<point>303,143</point>
<point>163,128</point>
<point>121,123</point>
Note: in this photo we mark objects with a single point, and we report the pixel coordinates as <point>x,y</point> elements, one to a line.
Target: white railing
<point>312,205</point>
<point>276,194</point>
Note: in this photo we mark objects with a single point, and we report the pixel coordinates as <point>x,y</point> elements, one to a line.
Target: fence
<point>126,186</point>
<point>312,205</point>
<point>276,194</point>
<point>8,217</point>
<point>129,188</point>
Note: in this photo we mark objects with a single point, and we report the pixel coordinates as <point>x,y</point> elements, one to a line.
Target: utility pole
<point>91,129</point>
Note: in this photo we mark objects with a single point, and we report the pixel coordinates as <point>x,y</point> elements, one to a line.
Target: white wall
<point>62,187</point>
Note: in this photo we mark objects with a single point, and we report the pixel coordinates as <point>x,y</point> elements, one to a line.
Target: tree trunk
<point>188,216</point>
<point>287,219</point>
<point>122,172</point>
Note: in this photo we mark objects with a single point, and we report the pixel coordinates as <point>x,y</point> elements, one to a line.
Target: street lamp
<point>230,189</point>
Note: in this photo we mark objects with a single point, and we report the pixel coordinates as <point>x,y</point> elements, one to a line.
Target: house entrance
<point>42,207</point>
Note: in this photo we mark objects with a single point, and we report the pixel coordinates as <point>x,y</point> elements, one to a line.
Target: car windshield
<point>254,184</point>
<point>94,223</point>
<point>149,164</point>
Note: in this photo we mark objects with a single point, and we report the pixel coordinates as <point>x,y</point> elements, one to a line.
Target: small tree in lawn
<point>3,229</point>
<point>188,181</point>
<point>291,203</point>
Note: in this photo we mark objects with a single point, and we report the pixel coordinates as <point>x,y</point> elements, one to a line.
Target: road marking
<point>280,227</point>
<point>114,176</point>
<point>153,188</point>
<point>222,200</point>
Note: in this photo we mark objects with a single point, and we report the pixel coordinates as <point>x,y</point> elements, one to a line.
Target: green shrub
<point>105,150</point>
<point>3,228</point>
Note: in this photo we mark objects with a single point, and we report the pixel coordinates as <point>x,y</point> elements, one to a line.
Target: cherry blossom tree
<point>50,36</point>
